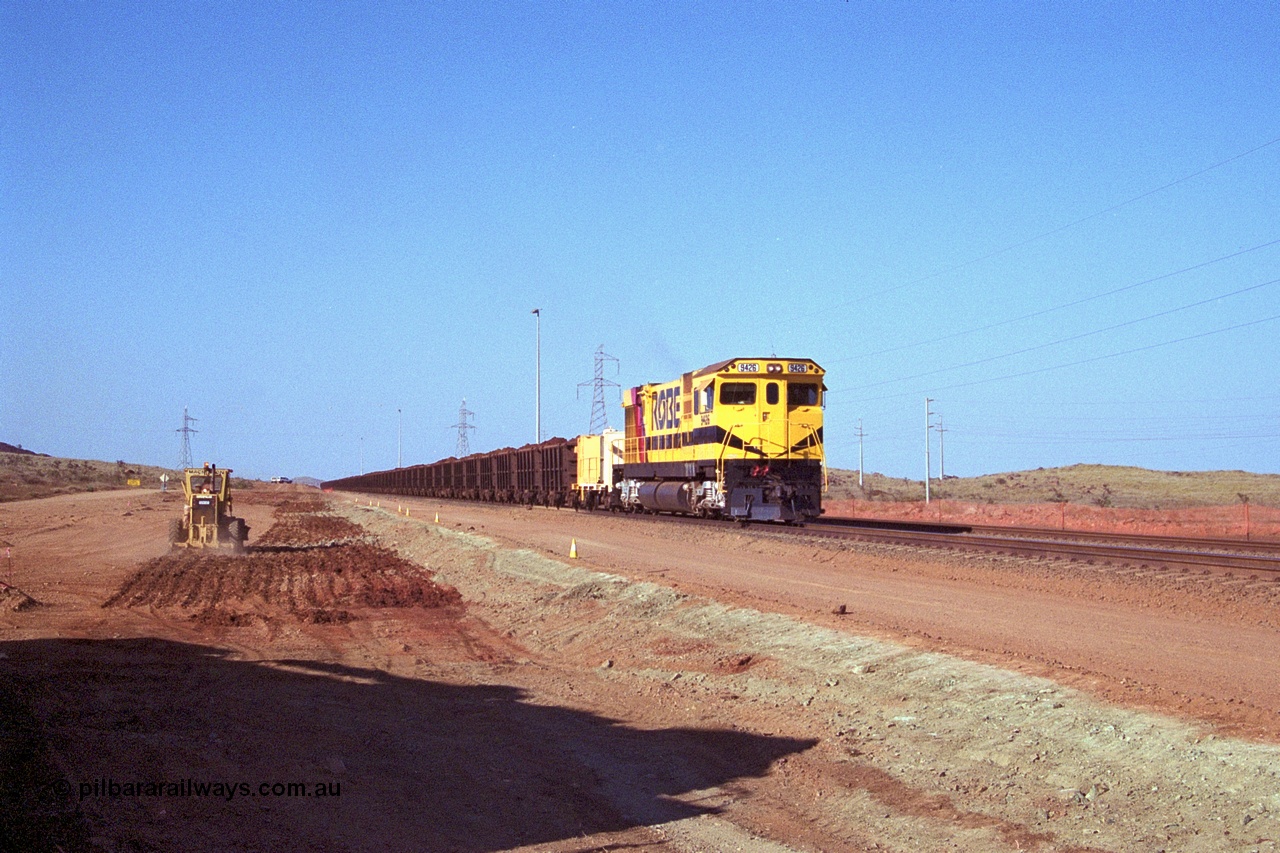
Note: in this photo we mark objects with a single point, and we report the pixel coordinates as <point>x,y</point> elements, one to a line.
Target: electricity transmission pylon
<point>464,446</point>
<point>186,431</point>
<point>599,413</point>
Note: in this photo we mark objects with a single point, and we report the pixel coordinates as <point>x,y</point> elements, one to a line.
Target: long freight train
<point>740,439</point>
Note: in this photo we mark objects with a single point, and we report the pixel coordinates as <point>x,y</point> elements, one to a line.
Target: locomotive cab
<point>741,438</point>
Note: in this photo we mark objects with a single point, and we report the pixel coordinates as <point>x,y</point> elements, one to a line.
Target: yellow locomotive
<point>740,439</point>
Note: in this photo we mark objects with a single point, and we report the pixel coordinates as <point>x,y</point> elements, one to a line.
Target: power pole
<point>861,435</point>
<point>186,431</point>
<point>399,438</point>
<point>599,413</point>
<point>464,446</point>
<point>942,451</point>
<point>928,466</point>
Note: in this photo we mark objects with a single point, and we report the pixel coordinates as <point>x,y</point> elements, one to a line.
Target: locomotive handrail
<point>724,445</point>
<point>759,440</point>
<point>822,455</point>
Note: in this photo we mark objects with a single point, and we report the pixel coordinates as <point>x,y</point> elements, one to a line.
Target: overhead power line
<point>1146,348</point>
<point>1061,307</point>
<point>1070,338</point>
<point>1072,224</point>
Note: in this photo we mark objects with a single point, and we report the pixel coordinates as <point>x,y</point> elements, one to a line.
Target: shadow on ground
<point>402,763</point>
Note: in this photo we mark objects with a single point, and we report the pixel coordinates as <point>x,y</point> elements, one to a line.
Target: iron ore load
<point>740,439</point>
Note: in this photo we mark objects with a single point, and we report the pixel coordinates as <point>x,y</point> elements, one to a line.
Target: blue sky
<point>312,223</point>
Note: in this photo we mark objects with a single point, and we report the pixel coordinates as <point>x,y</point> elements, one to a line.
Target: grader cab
<point>207,519</point>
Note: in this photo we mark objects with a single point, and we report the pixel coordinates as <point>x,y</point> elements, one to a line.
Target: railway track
<point>1186,543</point>
<point>1221,555</point>
<point>1211,556</point>
<point>1217,556</point>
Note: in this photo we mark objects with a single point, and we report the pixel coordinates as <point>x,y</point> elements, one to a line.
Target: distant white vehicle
<point>281,480</point>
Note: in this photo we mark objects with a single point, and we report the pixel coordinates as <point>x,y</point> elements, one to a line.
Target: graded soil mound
<point>300,530</point>
<point>306,566</point>
<point>310,584</point>
<point>301,505</point>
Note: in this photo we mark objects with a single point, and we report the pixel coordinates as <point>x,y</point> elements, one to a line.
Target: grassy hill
<point>25,475</point>
<point>28,475</point>
<point>1093,485</point>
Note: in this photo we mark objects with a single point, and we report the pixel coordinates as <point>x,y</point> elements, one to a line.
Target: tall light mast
<point>537,381</point>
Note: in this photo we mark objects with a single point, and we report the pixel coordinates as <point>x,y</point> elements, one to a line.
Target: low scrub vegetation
<point>29,475</point>
<point>1093,485</point>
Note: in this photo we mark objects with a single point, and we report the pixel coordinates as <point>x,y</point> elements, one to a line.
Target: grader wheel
<point>237,533</point>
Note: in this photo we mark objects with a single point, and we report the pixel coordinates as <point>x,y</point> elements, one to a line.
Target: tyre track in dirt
<point>443,733</point>
<point>307,565</point>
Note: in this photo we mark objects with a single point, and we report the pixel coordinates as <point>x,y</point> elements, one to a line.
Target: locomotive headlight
<point>774,368</point>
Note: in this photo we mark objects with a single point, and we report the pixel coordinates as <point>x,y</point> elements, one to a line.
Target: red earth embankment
<point>1238,521</point>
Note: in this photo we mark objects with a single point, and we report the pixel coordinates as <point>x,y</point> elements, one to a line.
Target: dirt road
<point>1180,643</point>
<point>466,686</point>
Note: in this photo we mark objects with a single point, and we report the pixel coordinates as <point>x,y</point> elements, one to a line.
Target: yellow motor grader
<point>207,519</point>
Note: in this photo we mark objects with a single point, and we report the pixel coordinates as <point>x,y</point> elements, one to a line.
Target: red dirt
<point>1227,522</point>
<point>1178,643</point>
<point>466,696</point>
<point>297,529</point>
<point>12,598</point>
<point>296,581</point>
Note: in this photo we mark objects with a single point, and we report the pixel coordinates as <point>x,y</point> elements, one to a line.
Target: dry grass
<point>1094,485</point>
<point>24,476</point>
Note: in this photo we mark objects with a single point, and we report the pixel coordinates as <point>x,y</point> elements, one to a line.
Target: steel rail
<point>921,534</point>
<point>1129,552</point>
<point>1212,544</point>
<point>1195,543</point>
